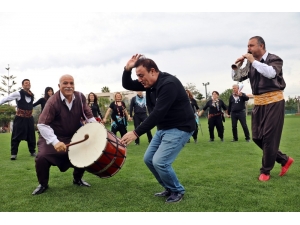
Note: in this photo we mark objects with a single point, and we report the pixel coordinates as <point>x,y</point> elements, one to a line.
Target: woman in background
<point>196,110</point>
<point>42,101</point>
<point>119,115</point>
<point>215,113</point>
<point>93,104</point>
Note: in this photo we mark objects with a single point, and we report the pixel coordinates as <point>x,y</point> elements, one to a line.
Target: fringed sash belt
<point>268,98</point>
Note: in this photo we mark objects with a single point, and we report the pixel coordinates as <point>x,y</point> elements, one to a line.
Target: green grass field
<point>218,177</point>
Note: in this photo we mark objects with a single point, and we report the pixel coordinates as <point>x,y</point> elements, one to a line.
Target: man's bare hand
<point>240,60</point>
<point>128,138</point>
<point>131,62</point>
<point>60,146</point>
<point>249,57</point>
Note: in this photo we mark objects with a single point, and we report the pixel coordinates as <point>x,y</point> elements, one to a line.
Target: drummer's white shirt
<point>48,133</point>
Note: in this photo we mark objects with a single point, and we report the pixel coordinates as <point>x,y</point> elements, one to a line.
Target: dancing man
<point>23,124</point>
<point>171,113</point>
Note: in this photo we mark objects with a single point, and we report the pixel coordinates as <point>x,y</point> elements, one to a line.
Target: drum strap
<point>82,107</point>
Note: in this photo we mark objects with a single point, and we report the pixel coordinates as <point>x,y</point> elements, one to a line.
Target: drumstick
<point>86,136</point>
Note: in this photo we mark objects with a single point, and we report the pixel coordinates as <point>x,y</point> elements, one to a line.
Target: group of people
<point>171,109</point>
<point>235,110</point>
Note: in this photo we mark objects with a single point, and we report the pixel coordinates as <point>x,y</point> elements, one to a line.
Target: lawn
<point>218,177</point>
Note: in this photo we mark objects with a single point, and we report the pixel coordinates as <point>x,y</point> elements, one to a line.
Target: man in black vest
<point>23,124</point>
<point>139,107</point>
<point>236,110</point>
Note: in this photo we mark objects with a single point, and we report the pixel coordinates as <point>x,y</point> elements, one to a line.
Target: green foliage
<point>199,96</point>
<point>103,104</point>
<point>105,89</point>
<point>225,96</point>
<point>8,82</point>
<point>193,89</point>
<point>7,113</point>
<point>218,177</point>
<point>291,103</point>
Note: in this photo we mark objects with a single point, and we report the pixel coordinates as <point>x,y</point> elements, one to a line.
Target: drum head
<point>86,153</point>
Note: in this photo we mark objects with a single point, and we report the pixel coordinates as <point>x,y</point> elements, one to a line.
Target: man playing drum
<point>57,123</point>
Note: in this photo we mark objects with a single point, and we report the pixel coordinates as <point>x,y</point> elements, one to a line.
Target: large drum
<point>101,153</point>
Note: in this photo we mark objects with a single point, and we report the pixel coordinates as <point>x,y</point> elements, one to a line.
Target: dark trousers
<point>47,156</point>
<point>239,116</point>
<point>121,128</point>
<point>43,170</point>
<point>138,118</point>
<point>215,121</point>
<point>15,146</point>
<point>23,129</point>
<point>267,125</point>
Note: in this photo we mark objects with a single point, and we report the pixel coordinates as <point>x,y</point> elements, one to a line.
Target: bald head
<point>66,86</point>
<point>65,76</point>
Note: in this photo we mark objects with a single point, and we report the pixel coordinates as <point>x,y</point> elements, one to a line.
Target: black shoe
<point>13,157</point>
<point>233,140</point>
<point>174,197</point>
<point>40,189</point>
<point>165,193</point>
<point>195,140</point>
<point>222,139</point>
<point>33,154</point>
<point>81,183</point>
<point>211,140</point>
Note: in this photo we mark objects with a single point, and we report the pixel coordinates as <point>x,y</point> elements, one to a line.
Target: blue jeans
<point>161,153</point>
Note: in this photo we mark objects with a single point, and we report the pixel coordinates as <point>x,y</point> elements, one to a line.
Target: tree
<point>7,112</point>
<point>192,88</point>
<point>224,96</point>
<point>199,96</point>
<point>291,104</point>
<point>105,89</point>
<point>103,104</point>
<point>8,81</point>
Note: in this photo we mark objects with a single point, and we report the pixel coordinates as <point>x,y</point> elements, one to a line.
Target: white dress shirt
<point>14,96</point>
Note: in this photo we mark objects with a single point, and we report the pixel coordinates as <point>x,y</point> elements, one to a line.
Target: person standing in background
<point>139,107</point>
<point>237,112</point>
<point>93,104</point>
<point>23,124</point>
<point>42,101</point>
<point>119,115</point>
<point>215,106</point>
<point>196,110</point>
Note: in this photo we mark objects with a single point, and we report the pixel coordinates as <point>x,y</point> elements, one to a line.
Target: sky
<point>94,47</point>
